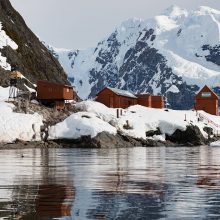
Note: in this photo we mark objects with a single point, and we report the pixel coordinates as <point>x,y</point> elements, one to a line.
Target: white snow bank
<point>140,118</point>
<point>80,124</point>
<point>4,93</point>
<point>14,126</point>
<point>103,112</point>
<point>215,144</point>
<point>143,119</point>
<point>134,121</point>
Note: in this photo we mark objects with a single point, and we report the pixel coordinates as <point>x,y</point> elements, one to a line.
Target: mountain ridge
<point>177,47</point>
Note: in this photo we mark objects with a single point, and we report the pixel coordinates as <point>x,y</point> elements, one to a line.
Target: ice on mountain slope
<point>181,40</point>
<point>175,12</point>
<point>173,89</point>
<point>80,72</point>
<point>77,69</point>
<point>5,41</point>
<point>127,34</point>
<point>79,66</point>
<point>179,37</point>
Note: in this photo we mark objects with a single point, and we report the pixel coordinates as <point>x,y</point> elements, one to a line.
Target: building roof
<point>53,83</point>
<point>207,88</point>
<point>122,92</point>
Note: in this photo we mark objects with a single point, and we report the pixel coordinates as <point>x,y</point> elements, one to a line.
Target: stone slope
<point>31,57</point>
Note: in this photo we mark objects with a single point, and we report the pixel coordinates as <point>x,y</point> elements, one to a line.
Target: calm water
<point>138,183</point>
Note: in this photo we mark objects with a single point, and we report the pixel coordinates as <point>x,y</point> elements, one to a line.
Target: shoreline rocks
<point>190,137</point>
<point>106,140</point>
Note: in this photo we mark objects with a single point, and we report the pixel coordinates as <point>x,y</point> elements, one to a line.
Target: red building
<point>207,101</point>
<point>116,98</point>
<point>54,94</point>
<point>144,100</point>
<point>157,101</point>
<point>151,101</point>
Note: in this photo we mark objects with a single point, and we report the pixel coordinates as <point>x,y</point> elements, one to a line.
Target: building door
<point>111,102</point>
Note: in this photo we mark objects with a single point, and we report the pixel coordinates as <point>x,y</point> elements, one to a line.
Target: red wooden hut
<point>157,101</point>
<point>116,98</point>
<point>54,94</point>
<point>150,100</point>
<point>207,101</point>
<point>144,100</point>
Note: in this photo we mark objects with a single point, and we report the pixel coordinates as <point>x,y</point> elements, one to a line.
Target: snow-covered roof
<point>122,92</point>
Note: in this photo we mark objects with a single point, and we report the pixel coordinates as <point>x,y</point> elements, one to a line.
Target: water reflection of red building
<point>209,171</point>
<point>54,200</point>
<point>207,178</point>
<point>120,180</point>
<point>44,195</point>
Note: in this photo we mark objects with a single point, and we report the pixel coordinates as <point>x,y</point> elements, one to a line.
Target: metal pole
<point>117,113</point>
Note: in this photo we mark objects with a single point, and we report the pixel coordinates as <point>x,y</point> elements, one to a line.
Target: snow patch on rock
<point>215,144</point>
<point>5,41</point>
<point>80,124</point>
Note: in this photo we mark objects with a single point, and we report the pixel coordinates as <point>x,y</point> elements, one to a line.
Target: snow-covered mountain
<point>173,54</point>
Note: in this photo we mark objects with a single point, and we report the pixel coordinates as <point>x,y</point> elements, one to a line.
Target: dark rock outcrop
<point>106,140</point>
<point>208,130</point>
<point>191,136</point>
<point>151,133</point>
<point>214,53</point>
<point>32,57</point>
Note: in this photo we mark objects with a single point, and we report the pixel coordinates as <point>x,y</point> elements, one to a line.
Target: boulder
<point>151,133</point>
<point>191,136</point>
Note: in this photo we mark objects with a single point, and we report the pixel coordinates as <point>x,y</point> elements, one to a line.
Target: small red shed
<point>116,98</point>
<point>54,93</point>
<point>151,101</point>
<point>157,101</point>
<point>207,101</point>
<point>144,100</point>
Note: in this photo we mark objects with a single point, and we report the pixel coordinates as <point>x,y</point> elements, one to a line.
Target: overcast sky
<point>78,24</point>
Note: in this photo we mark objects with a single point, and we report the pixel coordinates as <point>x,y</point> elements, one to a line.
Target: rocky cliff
<point>20,49</point>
